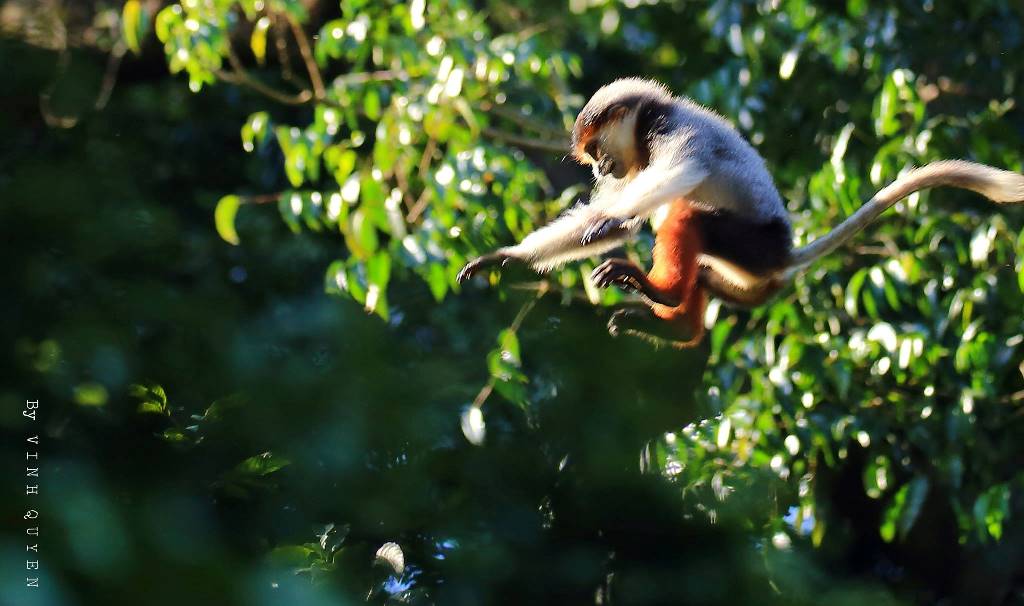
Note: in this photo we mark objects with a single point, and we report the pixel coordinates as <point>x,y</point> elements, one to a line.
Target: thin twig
<point>424,199</point>
<point>485,392</point>
<point>49,116</point>
<point>529,32</point>
<point>516,116</point>
<point>544,286</point>
<point>403,184</point>
<point>364,77</point>
<point>559,147</point>
<point>880,251</point>
<point>428,155</point>
<point>110,75</point>
<point>419,206</point>
<point>242,79</point>
<point>281,45</point>
<point>307,58</point>
<point>239,75</point>
<point>524,311</point>
<point>261,198</point>
<point>1016,396</point>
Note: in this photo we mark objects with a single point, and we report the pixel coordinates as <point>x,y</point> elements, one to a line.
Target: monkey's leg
<point>735,286</point>
<point>671,288</point>
<point>677,249</point>
<point>683,328</point>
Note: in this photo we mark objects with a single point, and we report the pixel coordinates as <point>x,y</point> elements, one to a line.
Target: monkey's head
<point>606,134</point>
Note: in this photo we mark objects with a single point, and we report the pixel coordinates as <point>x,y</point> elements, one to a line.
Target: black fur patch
<point>756,246</point>
<point>652,120</point>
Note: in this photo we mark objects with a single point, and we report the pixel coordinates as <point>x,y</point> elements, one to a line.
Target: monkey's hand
<point>630,278</point>
<point>618,272</point>
<point>600,228</point>
<point>474,266</point>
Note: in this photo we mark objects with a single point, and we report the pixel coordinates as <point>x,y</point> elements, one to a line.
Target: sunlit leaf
<point>258,39</point>
<point>261,464</point>
<point>133,25</point>
<point>224,218</point>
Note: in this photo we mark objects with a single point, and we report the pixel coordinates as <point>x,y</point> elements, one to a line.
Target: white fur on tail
<point>998,185</point>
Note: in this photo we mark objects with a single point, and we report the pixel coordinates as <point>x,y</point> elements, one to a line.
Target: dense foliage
<point>226,421</point>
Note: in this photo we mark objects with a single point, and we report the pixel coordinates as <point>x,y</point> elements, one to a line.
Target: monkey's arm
<point>556,243</point>
<point>654,186</point>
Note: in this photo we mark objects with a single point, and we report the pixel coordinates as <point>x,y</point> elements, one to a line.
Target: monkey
<point>726,232</point>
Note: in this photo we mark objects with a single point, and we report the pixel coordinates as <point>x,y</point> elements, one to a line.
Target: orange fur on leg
<point>677,247</point>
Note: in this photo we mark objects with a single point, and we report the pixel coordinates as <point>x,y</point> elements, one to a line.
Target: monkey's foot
<point>618,272</point>
<point>615,322</point>
<point>474,266</point>
<point>646,327</point>
<point>600,228</point>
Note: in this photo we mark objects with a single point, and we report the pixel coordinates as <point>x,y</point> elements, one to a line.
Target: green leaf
<point>877,477</point>
<point>175,436</point>
<point>151,407</point>
<point>371,104</point>
<point>254,131</point>
<point>90,394</point>
<point>224,218</point>
<point>261,464</point>
<point>336,278</point>
<point>509,343</point>
<point>902,512</point>
<point>133,25</point>
<point>378,269</point>
<point>258,40</point>
<point>990,510</point>
<point>917,491</point>
<point>285,205</point>
<point>437,280</point>
<point>365,233</point>
<point>853,290</point>
<point>291,556</point>
<point>165,21</point>
<point>378,273</point>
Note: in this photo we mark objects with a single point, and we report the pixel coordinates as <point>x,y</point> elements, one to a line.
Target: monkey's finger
<point>614,271</point>
<point>469,270</point>
<point>474,266</point>
<point>603,274</point>
<point>600,229</point>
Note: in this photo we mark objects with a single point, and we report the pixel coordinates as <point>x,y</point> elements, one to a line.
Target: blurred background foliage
<point>231,285</point>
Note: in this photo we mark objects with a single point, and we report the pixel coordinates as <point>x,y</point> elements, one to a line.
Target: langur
<point>726,231</point>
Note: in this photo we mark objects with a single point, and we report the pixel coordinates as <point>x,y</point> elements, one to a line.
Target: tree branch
<point>240,76</point>
<point>243,79</point>
<point>524,311</point>
<point>307,57</point>
<point>516,116</point>
<point>364,77</point>
<point>525,142</point>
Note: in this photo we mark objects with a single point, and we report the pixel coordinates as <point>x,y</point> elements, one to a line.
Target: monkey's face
<point>608,145</point>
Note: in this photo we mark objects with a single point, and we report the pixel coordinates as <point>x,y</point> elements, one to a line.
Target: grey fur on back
<point>738,180</point>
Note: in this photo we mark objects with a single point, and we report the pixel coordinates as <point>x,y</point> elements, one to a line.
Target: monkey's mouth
<point>607,166</point>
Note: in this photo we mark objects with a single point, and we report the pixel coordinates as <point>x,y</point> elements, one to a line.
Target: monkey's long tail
<point>998,185</point>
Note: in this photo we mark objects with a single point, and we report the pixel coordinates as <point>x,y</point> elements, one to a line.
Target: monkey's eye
<point>592,150</point>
